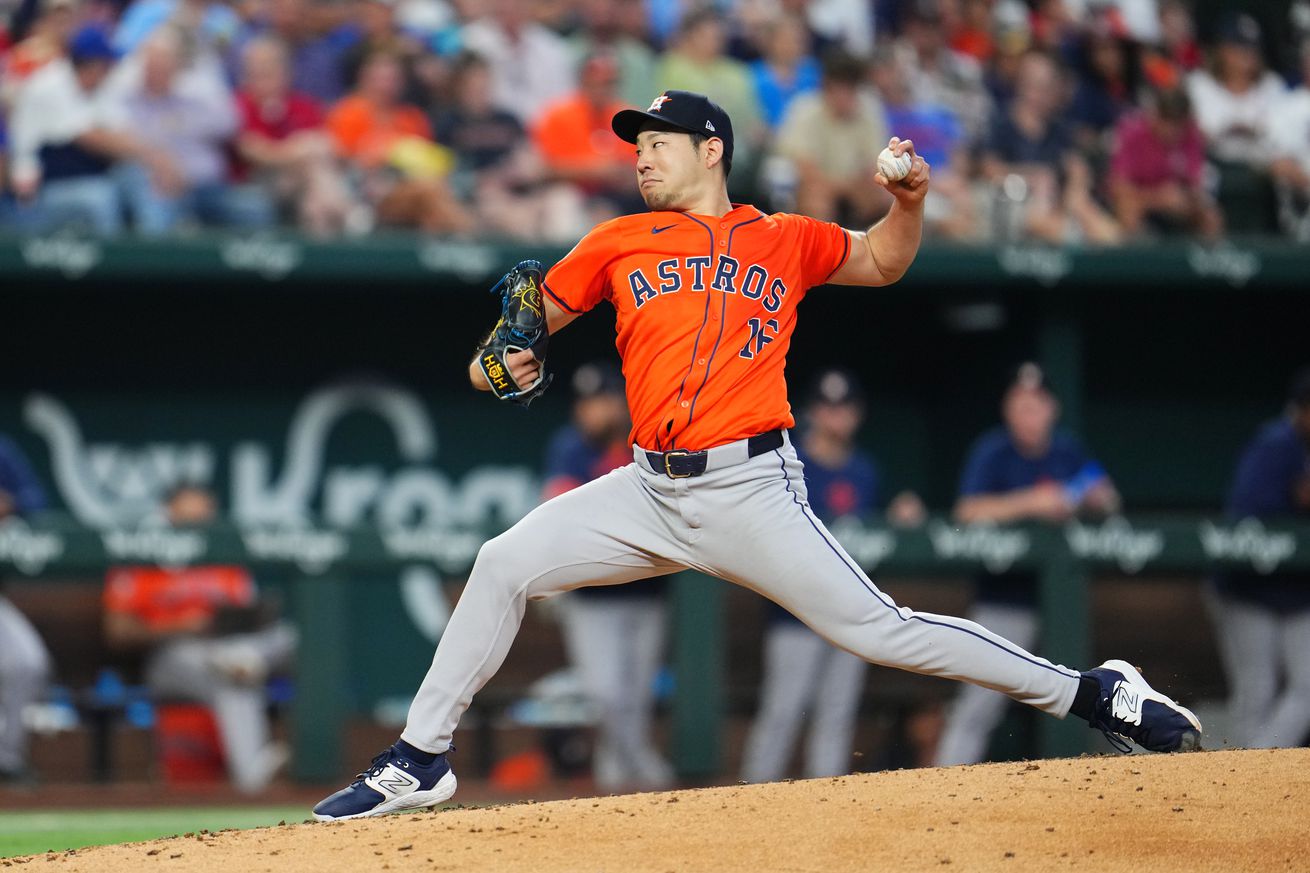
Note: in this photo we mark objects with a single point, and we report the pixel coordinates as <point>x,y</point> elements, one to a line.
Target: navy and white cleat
<point>1129,709</point>
<point>392,783</point>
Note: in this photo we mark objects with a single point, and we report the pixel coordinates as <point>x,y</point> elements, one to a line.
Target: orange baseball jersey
<point>705,308</point>
<point>165,599</point>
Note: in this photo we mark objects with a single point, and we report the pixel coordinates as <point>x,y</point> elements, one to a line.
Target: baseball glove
<point>522,326</point>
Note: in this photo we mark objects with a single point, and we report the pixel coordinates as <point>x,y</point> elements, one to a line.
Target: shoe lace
<point>1103,720</point>
<point>375,766</point>
<point>380,761</point>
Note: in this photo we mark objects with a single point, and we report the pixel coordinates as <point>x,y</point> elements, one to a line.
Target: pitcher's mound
<point>1212,811</point>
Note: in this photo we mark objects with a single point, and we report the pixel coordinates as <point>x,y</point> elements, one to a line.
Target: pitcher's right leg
<point>791,558</point>
<point>975,712</point>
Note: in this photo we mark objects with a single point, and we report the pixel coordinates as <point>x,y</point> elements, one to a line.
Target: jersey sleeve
<point>581,279</point>
<point>823,246</point>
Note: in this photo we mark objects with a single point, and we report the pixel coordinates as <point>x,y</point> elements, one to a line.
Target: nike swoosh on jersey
<point>662,229</point>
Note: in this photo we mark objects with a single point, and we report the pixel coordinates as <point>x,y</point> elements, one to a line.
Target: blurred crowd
<point>1066,121</point>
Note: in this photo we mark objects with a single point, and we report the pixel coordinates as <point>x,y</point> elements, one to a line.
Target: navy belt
<point>682,464</point>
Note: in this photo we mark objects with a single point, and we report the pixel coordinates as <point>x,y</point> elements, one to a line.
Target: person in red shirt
<point>1156,170</point>
<point>705,295</point>
<point>200,629</point>
<point>281,140</point>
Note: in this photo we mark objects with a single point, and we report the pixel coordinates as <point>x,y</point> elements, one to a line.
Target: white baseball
<point>893,167</point>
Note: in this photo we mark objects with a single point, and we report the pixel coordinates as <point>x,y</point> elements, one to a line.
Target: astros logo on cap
<point>658,102</point>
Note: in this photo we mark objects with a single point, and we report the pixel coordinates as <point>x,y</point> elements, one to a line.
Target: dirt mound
<point>1215,811</point>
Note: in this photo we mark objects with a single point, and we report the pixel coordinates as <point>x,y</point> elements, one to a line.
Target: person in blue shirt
<point>615,634</point>
<point>317,59</point>
<point>24,661</point>
<point>1025,470</point>
<point>1264,620</point>
<point>21,492</point>
<point>786,69</point>
<point>803,673</point>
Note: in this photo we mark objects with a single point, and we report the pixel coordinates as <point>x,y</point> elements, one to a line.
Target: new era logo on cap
<point>709,126</point>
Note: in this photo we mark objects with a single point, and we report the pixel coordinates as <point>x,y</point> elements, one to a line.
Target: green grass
<point>29,833</point>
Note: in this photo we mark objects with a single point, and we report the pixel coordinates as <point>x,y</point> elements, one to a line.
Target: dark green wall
<point>1176,377</point>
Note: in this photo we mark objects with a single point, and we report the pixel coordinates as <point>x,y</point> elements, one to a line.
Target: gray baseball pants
<point>190,669</point>
<point>24,672</point>
<point>1266,656</point>
<point>616,645</point>
<point>975,714</point>
<point>804,676</point>
<point>745,520</point>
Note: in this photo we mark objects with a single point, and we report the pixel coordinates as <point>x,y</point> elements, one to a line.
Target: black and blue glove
<point>522,326</point>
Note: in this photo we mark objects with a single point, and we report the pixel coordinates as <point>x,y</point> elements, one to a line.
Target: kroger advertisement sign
<point>348,453</point>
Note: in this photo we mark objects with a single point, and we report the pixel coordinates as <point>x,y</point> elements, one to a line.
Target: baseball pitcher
<point>705,295</point>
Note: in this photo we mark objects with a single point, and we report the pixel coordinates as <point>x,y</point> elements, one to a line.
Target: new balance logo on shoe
<point>393,781</point>
<point>1126,704</point>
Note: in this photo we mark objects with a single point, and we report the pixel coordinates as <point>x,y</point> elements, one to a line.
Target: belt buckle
<point>681,453</point>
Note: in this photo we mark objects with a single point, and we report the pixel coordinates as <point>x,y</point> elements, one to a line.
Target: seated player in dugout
<point>705,295</point>
<point>206,636</point>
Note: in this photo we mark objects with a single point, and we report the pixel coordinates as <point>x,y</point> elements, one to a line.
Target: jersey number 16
<point>760,336</point>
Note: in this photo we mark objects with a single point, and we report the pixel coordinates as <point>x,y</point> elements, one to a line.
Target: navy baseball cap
<point>836,387</point>
<point>680,110</point>
<point>1239,28</point>
<point>90,44</point>
<point>596,378</point>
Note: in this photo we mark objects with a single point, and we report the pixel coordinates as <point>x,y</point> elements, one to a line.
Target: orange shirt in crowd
<point>705,308</point>
<point>574,134</point>
<point>366,133</point>
<point>166,599</point>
